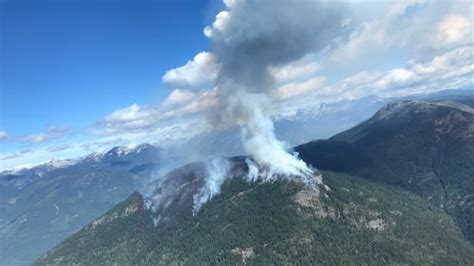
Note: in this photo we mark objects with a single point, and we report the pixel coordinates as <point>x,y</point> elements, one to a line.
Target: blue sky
<point>82,76</point>
<point>72,63</point>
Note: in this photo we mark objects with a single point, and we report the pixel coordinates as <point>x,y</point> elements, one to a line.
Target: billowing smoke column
<point>249,38</point>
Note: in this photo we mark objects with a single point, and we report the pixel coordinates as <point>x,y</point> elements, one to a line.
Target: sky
<point>82,76</point>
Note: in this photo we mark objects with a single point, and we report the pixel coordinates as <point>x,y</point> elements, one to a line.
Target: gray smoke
<point>249,38</point>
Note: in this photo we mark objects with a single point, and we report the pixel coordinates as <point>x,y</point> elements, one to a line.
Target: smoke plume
<point>217,171</point>
<point>248,39</point>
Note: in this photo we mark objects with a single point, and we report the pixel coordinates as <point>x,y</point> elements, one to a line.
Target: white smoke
<point>248,39</point>
<point>258,172</point>
<point>217,171</point>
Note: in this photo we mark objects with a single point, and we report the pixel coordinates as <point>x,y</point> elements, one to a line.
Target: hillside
<point>352,222</point>
<point>425,147</point>
<point>41,206</point>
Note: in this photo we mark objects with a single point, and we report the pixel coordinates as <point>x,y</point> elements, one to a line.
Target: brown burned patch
<point>310,199</point>
<point>307,198</point>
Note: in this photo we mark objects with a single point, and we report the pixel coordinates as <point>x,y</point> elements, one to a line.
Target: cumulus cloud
<point>135,118</point>
<point>450,70</point>
<point>201,102</point>
<point>131,118</point>
<point>197,74</point>
<point>178,98</point>
<point>298,88</point>
<point>446,67</point>
<point>418,27</point>
<point>373,32</point>
<point>52,132</point>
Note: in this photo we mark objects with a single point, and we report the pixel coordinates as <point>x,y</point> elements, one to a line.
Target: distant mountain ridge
<point>42,205</point>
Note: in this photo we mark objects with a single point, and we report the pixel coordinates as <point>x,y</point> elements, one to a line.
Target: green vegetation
<point>355,222</point>
<point>427,148</point>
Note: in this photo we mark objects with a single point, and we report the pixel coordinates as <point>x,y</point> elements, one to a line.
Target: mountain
<point>383,149</point>
<point>41,206</point>
<point>350,221</point>
<point>424,147</point>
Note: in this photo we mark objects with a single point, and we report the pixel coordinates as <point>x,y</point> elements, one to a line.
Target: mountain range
<point>398,190</point>
<point>41,206</point>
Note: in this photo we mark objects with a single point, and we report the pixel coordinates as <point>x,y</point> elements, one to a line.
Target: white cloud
<point>298,88</point>
<point>52,132</point>
<point>454,28</point>
<point>397,77</point>
<point>413,27</point>
<point>196,74</point>
<point>186,104</point>
<point>133,117</point>
<point>178,97</point>
<point>457,63</point>
<point>451,70</point>
<point>134,114</point>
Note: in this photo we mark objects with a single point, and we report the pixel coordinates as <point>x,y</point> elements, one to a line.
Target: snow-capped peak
<point>55,163</point>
